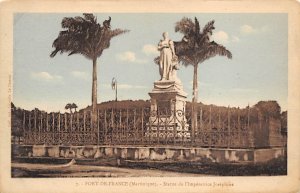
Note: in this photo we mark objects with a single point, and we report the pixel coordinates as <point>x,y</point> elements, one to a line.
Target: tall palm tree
<point>85,36</point>
<point>195,48</point>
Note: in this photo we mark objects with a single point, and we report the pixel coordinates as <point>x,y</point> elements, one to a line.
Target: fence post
<point>34,127</point>
<point>193,121</point>
<point>142,135</point>
<point>220,131</point>
<point>134,126</point>
<point>77,122</point>
<point>92,126</point>
<point>127,126</point>
<point>66,127</point>
<point>98,130</point>
<point>41,125</point>
<point>149,128</point>
<point>71,127</point>
<point>175,131</point>
<point>24,129</point>
<point>105,127</point>
<point>201,126</point>
<point>201,118</point>
<point>251,134</point>
<point>34,120</point>
<point>210,129</point>
<point>93,121</point>
<point>196,122</point>
<point>53,128</point>
<point>239,129</point>
<point>120,130</point>
<point>47,125</point>
<point>164,139</point>
<point>229,129</point>
<point>58,126</point>
<point>158,127</point>
<point>29,127</point>
<point>219,118</point>
<point>84,125</point>
<point>112,126</point>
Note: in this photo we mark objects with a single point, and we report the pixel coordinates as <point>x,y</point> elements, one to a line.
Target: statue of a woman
<point>167,56</point>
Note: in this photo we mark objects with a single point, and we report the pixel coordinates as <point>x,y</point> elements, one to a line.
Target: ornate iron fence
<point>215,127</point>
<point>225,127</point>
<point>57,128</point>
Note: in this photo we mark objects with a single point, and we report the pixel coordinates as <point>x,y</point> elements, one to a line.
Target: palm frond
<point>53,53</point>
<point>79,19</point>
<point>66,22</point>
<point>197,26</point>
<point>208,28</point>
<point>220,49</point>
<point>184,26</point>
<point>89,17</point>
<point>182,47</point>
<point>186,60</point>
<point>212,50</point>
<point>73,52</point>
<point>117,32</point>
<point>199,48</point>
<point>83,35</point>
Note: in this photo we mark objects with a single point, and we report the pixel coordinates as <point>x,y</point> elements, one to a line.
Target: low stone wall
<point>215,155</point>
<point>263,155</point>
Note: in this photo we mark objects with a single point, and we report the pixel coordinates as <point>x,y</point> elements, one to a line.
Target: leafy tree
<point>283,119</point>
<point>74,106</point>
<point>85,36</point>
<point>268,109</point>
<point>16,122</point>
<point>69,106</point>
<point>12,106</point>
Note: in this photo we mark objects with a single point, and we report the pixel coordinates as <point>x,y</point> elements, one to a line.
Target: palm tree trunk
<point>195,84</point>
<point>94,90</point>
<point>194,102</point>
<point>94,86</point>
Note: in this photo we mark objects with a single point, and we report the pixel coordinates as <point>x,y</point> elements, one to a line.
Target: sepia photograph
<point>101,98</point>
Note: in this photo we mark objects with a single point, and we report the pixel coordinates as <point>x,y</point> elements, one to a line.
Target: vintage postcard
<point>149,96</point>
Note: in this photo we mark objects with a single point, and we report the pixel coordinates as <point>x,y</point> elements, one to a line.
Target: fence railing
<point>215,127</point>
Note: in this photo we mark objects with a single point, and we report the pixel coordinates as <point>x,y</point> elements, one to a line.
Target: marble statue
<point>168,61</point>
<point>168,99</point>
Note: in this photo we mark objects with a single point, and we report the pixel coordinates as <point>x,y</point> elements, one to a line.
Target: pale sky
<point>257,71</point>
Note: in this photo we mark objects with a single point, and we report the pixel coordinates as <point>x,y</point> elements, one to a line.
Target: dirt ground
<point>47,170</point>
<point>47,167</point>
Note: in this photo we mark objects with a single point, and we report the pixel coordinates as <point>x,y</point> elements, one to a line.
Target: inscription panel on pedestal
<point>164,107</point>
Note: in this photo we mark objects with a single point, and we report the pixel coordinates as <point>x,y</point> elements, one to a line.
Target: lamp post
<point>114,86</point>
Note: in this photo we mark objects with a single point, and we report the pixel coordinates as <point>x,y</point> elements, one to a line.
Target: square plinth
<point>167,89</point>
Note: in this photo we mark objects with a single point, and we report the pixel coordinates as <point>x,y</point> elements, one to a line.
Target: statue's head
<point>165,35</point>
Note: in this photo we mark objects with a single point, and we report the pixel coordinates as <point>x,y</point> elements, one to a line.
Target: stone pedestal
<point>167,119</point>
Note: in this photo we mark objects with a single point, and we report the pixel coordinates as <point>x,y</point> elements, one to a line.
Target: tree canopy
<point>196,46</point>
<point>85,36</point>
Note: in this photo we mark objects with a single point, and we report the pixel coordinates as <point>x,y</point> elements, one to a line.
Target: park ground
<point>115,168</point>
